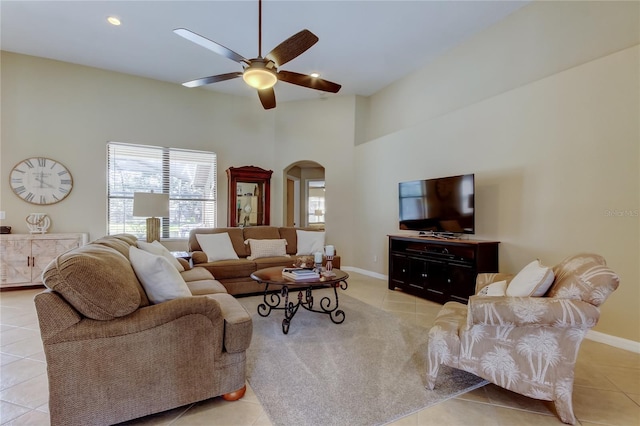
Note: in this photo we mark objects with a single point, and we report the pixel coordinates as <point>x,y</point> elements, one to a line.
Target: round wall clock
<point>41,180</point>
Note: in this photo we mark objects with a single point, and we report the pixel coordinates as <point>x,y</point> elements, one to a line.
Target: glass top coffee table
<point>274,300</point>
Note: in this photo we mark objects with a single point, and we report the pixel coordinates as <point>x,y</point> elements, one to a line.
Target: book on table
<point>300,274</point>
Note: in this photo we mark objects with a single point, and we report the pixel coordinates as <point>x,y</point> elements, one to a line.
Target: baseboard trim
<point>365,272</point>
<point>617,342</point>
<point>596,336</point>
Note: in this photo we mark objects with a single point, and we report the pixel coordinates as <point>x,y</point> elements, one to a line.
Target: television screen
<point>444,204</point>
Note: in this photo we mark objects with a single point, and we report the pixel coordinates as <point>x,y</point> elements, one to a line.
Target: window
<point>315,201</point>
<point>189,177</point>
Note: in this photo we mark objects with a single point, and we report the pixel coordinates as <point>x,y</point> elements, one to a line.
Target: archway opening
<point>304,195</point>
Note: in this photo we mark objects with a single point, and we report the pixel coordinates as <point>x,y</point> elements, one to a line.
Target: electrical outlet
<point>375,259</point>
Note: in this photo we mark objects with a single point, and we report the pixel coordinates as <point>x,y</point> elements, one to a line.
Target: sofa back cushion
<point>235,234</point>
<point>121,243</point>
<point>261,233</point>
<point>584,277</point>
<point>289,233</point>
<point>96,280</point>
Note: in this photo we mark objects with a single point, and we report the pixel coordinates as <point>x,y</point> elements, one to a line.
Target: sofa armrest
<point>199,257</point>
<point>238,326</point>
<point>142,319</point>
<point>484,279</point>
<point>54,314</point>
<point>185,263</point>
<point>531,311</point>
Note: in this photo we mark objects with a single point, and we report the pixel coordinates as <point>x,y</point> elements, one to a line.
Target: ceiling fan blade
<point>211,45</point>
<point>267,97</point>
<point>308,81</point>
<point>292,47</point>
<point>212,79</point>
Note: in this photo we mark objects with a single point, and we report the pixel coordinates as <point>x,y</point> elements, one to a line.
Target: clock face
<point>40,180</point>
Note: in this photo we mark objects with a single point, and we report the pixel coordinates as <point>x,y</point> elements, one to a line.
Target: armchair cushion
<point>498,288</point>
<point>96,280</point>
<point>533,280</point>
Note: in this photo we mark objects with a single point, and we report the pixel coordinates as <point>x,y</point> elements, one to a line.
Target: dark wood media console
<point>439,269</point>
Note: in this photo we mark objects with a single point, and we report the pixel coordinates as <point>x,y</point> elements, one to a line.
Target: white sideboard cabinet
<point>23,257</point>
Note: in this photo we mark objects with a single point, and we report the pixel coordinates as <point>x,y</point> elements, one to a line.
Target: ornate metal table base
<point>273,300</point>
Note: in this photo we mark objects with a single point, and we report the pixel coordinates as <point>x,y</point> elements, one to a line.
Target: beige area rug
<point>369,370</point>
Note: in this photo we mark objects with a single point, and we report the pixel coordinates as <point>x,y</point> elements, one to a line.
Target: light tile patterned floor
<point>606,390</point>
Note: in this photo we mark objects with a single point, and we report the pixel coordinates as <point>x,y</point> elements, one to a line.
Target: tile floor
<point>606,390</point>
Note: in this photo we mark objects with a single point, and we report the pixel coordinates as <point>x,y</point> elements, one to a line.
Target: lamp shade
<point>149,204</point>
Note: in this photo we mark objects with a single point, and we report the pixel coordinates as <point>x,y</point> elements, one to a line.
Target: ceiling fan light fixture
<point>259,78</point>
<point>114,20</point>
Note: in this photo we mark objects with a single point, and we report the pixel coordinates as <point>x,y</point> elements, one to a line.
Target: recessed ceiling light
<point>113,20</point>
<point>314,75</point>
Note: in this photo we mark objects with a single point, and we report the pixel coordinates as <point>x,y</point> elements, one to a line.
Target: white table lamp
<point>152,206</point>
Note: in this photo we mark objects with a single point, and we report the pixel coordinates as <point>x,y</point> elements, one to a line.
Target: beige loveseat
<point>113,356</point>
<point>528,345</point>
<point>235,274</point>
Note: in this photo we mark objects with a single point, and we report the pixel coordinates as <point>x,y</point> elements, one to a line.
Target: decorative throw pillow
<point>309,242</point>
<point>267,248</point>
<point>217,246</point>
<point>533,280</point>
<point>157,248</point>
<point>499,288</point>
<point>159,278</point>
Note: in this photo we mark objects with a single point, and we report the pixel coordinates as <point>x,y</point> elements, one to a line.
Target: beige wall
<point>69,113</point>
<point>538,40</point>
<point>323,131</point>
<point>551,159</point>
<point>543,108</point>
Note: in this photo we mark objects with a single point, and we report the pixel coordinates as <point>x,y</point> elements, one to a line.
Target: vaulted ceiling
<point>364,45</point>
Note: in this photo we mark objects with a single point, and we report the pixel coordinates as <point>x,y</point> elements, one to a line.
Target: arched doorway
<point>304,195</point>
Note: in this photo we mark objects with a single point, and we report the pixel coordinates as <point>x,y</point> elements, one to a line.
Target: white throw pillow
<point>499,288</point>
<point>160,279</point>
<point>267,248</point>
<point>157,248</point>
<point>217,246</point>
<point>533,280</point>
<point>310,242</point>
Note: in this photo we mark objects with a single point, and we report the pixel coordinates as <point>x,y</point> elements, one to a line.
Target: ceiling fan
<point>262,72</point>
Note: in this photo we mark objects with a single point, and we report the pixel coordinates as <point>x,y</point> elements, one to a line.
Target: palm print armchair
<point>528,345</point>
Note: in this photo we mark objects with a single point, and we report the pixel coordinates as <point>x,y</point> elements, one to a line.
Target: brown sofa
<point>235,275</point>
<point>113,356</point>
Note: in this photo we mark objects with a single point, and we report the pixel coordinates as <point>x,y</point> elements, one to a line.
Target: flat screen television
<point>440,205</point>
